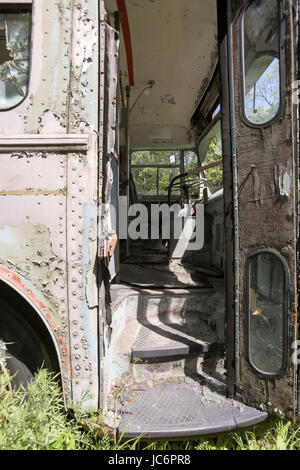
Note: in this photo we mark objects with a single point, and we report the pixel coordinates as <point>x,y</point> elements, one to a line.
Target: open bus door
<point>109,246</point>
<point>258,70</point>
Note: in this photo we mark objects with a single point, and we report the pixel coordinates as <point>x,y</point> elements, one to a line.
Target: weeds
<point>36,419</point>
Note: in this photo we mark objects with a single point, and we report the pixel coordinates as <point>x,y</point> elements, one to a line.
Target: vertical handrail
<point>128,93</point>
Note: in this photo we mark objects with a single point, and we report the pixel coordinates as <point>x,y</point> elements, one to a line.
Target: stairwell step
<point>179,410</point>
<point>163,341</point>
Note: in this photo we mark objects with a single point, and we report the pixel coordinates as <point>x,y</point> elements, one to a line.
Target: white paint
<point>83,50</point>
<point>174,43</point>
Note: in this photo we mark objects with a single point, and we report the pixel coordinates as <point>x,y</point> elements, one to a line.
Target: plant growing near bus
<point>36,419</point>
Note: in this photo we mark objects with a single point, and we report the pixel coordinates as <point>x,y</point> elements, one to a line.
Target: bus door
<point>109,249</point>
<point>259,129</point>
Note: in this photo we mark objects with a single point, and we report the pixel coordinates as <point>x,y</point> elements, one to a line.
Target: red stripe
<point>127,39</point>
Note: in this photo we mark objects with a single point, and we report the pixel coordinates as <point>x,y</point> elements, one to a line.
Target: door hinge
<point>107,245</point>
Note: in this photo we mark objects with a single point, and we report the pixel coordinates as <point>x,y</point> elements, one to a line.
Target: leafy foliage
<point>262,100</point>
<point>154,180</point>
<point>214,154</point>
<point>36,419</point>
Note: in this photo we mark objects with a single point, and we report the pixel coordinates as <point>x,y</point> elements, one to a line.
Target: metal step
<point>163,341</point>
<point>162,276</point>
<point>181,411</point>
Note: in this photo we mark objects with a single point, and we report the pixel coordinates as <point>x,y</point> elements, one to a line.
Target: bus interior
<point>165,345</point>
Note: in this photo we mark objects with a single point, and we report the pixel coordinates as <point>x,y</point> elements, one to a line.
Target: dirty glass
<point>165,176</point>
<point>190,160</point>
<point>267,292</point>
<point>152,170</point>
<point>261,61</point>
<point>14,58</point>
<point>145,180</point>
<point>155,157</point>
<point>210,151</point>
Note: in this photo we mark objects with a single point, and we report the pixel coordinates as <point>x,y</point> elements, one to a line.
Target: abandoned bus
<point>148,208</point>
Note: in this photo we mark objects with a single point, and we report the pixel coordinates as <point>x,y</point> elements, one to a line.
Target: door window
<point>261,39</point>
<point>267,292</point>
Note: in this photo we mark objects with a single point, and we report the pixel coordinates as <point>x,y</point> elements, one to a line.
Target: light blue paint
<point>89,220</point>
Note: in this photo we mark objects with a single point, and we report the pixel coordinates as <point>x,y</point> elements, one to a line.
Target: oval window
<point>267,293</point>
<point>261,40</point>
<point>15,39</point>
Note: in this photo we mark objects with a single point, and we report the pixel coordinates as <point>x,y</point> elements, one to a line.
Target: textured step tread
<point>161,276</point>
<point>162,340</point>
<point>178,410</point>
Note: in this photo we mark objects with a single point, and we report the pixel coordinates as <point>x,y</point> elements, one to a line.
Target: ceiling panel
<point>174,43</point>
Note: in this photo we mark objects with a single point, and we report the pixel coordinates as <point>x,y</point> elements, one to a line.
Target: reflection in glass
<point>266,312</point>
<point>14,58</point>
<point>261,61</point>
<point>211,148</point>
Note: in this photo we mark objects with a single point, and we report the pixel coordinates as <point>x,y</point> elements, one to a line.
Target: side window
<point>261,61</point>
<point>210,151</point>
<point>267,299</point>
<point>153,171</point>
<point>15,43</point>
<point>190,160</point>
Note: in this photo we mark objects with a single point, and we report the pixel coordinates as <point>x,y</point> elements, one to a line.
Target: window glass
<point>150,157</point>
<point>217,111</point>
<point>210,150</point>
<point>145,180</point>
<point>164,179</point>
<point>267,307</point>
<point>153,170</point>
<point>261,61</point>
<point>190,160</point>
<point>14,57</point>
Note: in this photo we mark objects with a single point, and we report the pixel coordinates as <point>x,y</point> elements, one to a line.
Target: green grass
<point>36,419</point>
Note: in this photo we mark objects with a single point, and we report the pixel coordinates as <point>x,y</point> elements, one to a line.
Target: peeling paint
<point>167,99</point>
<point>84,50</point>
<point>34,192</point>
<point>49,237</point>
<point>27,249</point>
<point>283,182</point>
<point>51,123</point>
<point>89,253</point>
<point>29,155</point>
<point>14,280</point>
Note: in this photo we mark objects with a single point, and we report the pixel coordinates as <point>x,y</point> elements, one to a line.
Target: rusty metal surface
<point>266,162</point>
<point>49,188</point>
<point>111,177</point>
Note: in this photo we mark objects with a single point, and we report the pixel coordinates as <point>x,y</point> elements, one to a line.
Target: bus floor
<point>168,334</point>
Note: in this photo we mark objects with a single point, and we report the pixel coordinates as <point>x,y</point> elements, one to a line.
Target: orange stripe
<point>127,39</point>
